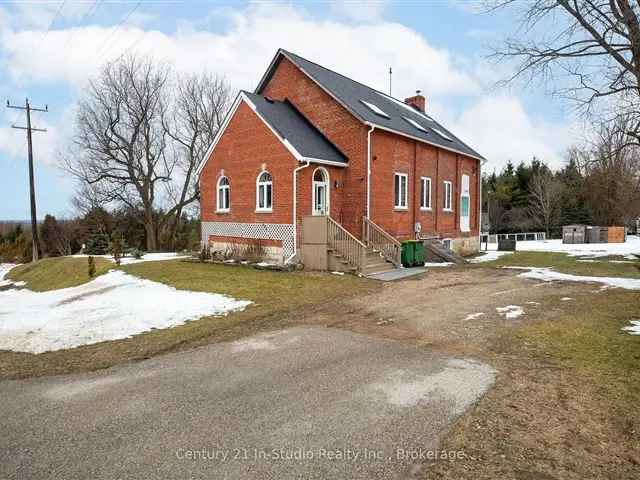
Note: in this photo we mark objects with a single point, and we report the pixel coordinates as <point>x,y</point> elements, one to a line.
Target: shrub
<point>97,244</point>
<point>116,245</point>
<point>91,264</point>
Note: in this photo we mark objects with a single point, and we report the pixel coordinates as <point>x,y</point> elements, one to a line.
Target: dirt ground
<point>434,309</point>
<point>543,420</point>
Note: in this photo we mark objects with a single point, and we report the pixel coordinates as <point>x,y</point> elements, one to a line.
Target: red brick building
<point>310,141</point>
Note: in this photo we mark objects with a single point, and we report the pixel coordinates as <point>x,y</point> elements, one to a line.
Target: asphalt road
<point>301,403</point>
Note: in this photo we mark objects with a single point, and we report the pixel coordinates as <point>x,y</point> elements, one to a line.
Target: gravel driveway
<point>300,403</point>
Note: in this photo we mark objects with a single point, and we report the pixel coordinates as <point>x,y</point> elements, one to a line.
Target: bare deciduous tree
<point>199,105</point>
<point>138,141</point>
<point>612,172</point>
<point>545,200</point>
<point>590,48</point>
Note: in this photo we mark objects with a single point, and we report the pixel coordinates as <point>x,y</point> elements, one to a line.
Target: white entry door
<point>320,192</point>
<point>465,205</point>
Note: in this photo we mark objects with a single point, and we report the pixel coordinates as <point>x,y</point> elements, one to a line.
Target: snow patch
<point>489,256</point>
<point>148,257</point>
<point>533,303</point>
<point>510,311</point>
<point>473,316</point>
<point>634,328</point>
<point>566,299</point>
<point>593,250</point>
<point>115,305</point>
<point>549,275</point>
<point>438,264</point>
<point>4,269</point>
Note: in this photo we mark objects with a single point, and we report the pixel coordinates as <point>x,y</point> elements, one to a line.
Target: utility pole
<point>32,189</point>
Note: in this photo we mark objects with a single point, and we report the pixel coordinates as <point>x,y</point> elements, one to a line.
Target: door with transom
<point>320,192</point>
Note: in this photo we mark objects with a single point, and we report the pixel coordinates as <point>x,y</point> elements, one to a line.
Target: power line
<point>55,17</point>
<point>85,17</point>
<point>32,191</point>
<point>100,51</point>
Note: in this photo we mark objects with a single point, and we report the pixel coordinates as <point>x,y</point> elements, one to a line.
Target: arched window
<point>264,192</point>
<point>224,195</point>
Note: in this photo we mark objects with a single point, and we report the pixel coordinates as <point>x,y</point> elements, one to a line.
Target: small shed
<point>573,233</point>
<point>596,235</point>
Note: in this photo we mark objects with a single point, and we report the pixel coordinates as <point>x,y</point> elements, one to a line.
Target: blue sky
<point>48,50</point>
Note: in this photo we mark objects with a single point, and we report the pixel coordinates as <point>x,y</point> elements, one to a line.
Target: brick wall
<point>248,144</point>
<point>392,153</point>
<point>342,128</point>
<point>246,147</point>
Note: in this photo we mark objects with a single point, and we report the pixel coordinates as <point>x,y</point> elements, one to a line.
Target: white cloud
<point>497,126</point>
<point>360,10</point>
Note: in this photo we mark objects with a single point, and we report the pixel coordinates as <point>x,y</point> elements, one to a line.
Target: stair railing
<point>346,245</point>
<point>376,238</point>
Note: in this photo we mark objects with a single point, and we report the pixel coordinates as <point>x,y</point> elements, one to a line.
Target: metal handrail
<point>345,244</point>
<point>378,239</point>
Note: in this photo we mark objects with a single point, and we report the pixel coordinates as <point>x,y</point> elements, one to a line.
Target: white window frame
<point>326,183</point>
<point>219,190</point>
<point>403,200</point>
<point>425,194</point>
<point>262,185</point>
<point>448,196</point>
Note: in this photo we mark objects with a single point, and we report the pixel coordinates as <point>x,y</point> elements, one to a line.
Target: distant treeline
<point>68,236</point>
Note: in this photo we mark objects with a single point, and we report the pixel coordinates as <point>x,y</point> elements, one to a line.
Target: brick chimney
<point>417,101</point>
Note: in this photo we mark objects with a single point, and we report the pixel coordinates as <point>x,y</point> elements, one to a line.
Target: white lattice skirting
<point>264,231</point>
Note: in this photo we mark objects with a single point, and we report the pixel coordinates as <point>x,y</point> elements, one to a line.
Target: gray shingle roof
<point>291,125</point>
<point>352,94</point>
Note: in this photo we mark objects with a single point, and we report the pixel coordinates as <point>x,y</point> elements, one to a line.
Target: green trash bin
<point>407,253</point>
<point>418,253</point>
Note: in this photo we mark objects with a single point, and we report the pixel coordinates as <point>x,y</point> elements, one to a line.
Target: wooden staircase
<point>380,254</point>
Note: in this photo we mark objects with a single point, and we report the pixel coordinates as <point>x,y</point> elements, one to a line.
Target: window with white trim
<point>448,190</point>
<point>264,192</point>
<point>425,193</point>
<point>400,190</point>
<point>224,195</point>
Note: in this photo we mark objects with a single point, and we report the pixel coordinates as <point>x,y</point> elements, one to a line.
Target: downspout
<point>295,211</point>
<point>373,127</point>
<point>417,186</point>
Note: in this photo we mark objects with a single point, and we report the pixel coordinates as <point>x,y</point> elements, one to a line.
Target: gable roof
<point>299,136</point>
<point>354,96</point>
<point>292,126</point>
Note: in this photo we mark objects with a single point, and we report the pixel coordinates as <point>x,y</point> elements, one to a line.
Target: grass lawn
<point>280,299</point>
<point>58,272</point>
<point>561,262</point>
<point>565,401</point>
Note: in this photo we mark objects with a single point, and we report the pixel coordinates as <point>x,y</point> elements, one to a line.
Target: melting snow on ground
<point>634,328</point>
<point>626,249</point>
<point>489,256</point>
<point>549,275</point>
<point>4,269</point>
<point>510,311</point>
<point>113,306</point>
<point>473,316</point>
<point>438,264</point>
<point>148,257</point>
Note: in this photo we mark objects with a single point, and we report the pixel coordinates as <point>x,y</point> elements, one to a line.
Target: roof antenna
<point>390,75</point>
